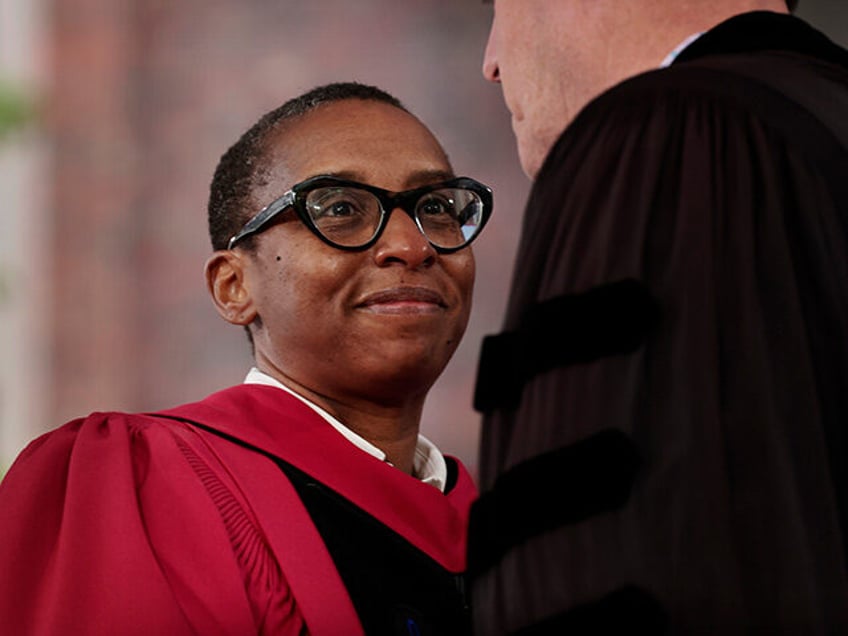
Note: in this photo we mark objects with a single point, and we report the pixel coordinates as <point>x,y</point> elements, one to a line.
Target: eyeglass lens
<point>349,216</point>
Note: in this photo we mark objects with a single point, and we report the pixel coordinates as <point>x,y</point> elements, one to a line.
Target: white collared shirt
<point>669,59</point>
<point>428,465</point>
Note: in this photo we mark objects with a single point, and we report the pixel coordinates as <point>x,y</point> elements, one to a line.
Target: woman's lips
<point>403,300</point>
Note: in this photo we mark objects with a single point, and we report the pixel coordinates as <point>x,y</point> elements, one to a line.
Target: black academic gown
<point>664,445</point>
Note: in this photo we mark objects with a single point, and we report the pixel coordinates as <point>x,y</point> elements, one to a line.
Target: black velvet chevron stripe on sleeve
<point>563,486</point>
<point>570,329</point>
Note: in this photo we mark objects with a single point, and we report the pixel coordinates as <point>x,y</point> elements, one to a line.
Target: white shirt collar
<point>669,59</point>
<point>428,464</point>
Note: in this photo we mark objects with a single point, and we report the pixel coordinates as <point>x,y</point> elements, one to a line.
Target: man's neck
<point>662,25</point>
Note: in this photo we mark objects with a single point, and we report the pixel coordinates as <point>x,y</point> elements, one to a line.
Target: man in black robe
<point>664,447</point>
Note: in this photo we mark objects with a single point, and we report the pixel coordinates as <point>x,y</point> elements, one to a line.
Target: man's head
<point>380,321</point>
<point>552,57</point>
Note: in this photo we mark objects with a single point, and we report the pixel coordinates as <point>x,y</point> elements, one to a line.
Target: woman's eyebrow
<point>413,180</point>
<point>426,177</point>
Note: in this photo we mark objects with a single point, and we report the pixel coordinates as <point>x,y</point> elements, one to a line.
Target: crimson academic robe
<point>192,521</point>
<point>665,446</point>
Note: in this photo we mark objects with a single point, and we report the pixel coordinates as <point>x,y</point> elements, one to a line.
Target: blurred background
<point>113,114</point>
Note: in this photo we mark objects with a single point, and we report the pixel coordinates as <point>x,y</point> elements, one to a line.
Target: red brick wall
<point>96,182</point>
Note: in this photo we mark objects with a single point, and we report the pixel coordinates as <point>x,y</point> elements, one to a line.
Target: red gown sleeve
<point>112,526</point>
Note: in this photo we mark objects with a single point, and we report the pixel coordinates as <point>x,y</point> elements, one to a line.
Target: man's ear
<point>226,282</point>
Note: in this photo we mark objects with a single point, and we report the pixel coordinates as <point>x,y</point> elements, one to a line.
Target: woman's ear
<point>226,282</point>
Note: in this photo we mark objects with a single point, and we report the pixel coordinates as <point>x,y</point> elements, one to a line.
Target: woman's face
<point>377,325</point>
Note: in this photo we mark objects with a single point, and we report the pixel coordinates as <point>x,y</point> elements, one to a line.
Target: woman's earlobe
<point>226,281</point>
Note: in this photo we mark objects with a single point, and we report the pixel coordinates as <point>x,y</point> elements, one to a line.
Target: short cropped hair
<point>244,166</point>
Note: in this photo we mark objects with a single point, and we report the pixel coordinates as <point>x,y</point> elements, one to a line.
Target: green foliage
<point>15,109</point>
<point>5,288</point>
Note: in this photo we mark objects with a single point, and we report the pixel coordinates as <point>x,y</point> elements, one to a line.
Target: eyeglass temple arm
<point>264,215</point>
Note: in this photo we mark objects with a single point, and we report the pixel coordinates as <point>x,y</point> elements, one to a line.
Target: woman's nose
<point>402,242</point>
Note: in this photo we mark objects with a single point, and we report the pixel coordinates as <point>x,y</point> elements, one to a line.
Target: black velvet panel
<point>570,329</point>
<point>564,486</point>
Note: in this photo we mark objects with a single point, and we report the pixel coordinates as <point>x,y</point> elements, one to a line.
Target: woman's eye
<point>341,208</point>
<point>433,207</point>
<point>337,203</point>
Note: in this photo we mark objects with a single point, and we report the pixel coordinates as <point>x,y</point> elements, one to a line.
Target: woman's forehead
<point>366,139</point>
